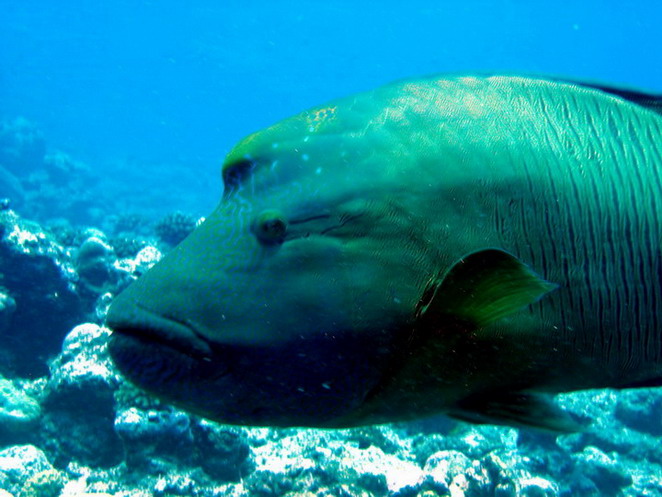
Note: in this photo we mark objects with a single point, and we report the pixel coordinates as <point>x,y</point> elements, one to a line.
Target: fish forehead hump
<point>423,127</point>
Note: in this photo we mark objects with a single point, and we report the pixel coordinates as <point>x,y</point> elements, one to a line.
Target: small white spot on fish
<point>311,129</point>
<point>300,389</point>
<point>326,385</point>
<point>274,145</point>
<point>305,157</point>
<point>223,317</point>
<point>397,300</point>
<point>274,164</point>
<point>306,138</point>
<point>318,170</point>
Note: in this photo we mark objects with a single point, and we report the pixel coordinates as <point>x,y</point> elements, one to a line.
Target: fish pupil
<point>274,227</point>
<point>271,228</point>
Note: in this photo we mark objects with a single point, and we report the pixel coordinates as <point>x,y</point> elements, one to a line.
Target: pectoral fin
<point>483,287</point>
<point>516,409</point>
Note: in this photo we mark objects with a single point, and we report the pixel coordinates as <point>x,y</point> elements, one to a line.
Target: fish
<point>464,245</point>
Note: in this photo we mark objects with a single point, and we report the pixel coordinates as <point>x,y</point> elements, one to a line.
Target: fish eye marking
<point>235,173</point>
<point>270,227</point>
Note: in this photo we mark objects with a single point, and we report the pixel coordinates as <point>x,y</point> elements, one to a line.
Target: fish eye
<point>270,227</point>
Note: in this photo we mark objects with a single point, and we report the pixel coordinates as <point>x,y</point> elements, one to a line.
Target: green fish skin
<point>458,245</point>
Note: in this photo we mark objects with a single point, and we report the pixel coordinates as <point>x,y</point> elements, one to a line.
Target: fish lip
<point>144,325</point>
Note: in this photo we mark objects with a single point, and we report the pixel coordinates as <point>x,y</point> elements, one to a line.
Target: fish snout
<point>134,322</point>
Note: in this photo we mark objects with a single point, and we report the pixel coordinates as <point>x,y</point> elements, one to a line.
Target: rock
<point>647,482</point>
<point>501,473</point>
<point>223,452</point>
<point>47,483</point>
<point>95,265</point>
<point>79,400</point>
<point>268,484</point>
<point>151,435</point>
<point>37,275</point>
<point>537,487</point>
<point>379,436</point>
<point>324,463</point>
<point>606,473</point>
<point>144,260</point>
<point>640,410</point>
<point>448,468</point>
<point>473,441</point>
<point>83,370</point>
<point>19,413</point>
<point>21,462</point>
<point>175,484</point>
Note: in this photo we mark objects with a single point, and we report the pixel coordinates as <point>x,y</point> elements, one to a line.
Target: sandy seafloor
<point>114,119</point>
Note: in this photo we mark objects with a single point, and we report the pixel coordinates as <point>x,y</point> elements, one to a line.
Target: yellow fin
<point>483,287</point>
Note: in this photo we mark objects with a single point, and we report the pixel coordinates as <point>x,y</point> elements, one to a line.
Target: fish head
<point>280,308</point>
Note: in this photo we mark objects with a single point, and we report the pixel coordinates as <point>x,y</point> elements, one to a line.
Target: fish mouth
<point>165,357</point>
<point>139,325</point>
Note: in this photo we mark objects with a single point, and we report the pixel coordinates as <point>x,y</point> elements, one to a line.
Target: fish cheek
<point>308,282</point>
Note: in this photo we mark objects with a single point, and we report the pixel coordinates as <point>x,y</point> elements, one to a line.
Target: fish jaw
<point>291,384</point>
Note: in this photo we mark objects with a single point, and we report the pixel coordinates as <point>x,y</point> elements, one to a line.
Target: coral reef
<point>44,183</point>
<point>36,274</point>
<point>126,246</point>
<point>48,483</point>
<point>19,413</point>
<point>70,425</point>
<point>174,227</point>
<point>130,224</point>
<point>94,264</point>
<point>50,280</point>
<point>223,452</point>
<point>20,463</point>
<point>79,399</point>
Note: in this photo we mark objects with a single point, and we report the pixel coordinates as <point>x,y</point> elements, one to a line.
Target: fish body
<point>458,245</point>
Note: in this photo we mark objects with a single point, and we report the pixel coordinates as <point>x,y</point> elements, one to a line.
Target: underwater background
<point>114,119</point>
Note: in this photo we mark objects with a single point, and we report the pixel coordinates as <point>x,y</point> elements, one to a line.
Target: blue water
<point>177,83</point>
<point>150,95</point>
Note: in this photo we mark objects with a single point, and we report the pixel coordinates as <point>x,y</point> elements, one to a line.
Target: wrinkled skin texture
<point>294,303</point>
